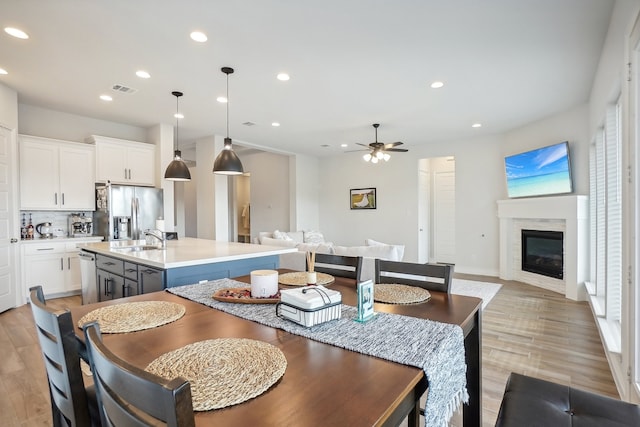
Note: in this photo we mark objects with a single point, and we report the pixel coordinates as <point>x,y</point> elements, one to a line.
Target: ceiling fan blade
<point>392,144</point>
<point>353,151</point>
<point>398,150</point>
<point>364,145</point>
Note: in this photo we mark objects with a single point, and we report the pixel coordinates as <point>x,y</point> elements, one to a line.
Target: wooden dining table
<point>323,384</point>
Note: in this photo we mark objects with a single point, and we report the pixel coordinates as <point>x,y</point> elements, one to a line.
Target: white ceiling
<point>352,63</point>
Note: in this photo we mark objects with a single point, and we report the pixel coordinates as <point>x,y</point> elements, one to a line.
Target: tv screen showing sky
<point>539,172</point>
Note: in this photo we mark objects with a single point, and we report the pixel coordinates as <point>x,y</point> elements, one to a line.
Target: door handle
<point>13,240</point>
<point>63,199</point>
<point>55,197</point>
<point>61,263</point>
<point>125,173</point>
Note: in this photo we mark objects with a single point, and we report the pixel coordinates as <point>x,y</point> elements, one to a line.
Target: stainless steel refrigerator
<point>123,212</point>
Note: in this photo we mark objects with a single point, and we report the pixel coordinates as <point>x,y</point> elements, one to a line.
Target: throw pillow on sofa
<point>313,236</point>
<point>321,248</point>
<point>387,252</point>
<point>281,235</point>
<point>399,248</point>
<point>269,241</point>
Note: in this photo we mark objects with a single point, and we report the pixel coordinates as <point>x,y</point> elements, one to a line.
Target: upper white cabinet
<point>124,162</point>
<point>56,175</point>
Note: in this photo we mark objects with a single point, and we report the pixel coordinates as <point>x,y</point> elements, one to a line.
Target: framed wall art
<point>362,198</point>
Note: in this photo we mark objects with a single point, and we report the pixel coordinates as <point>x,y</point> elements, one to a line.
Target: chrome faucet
<point>159,235</point>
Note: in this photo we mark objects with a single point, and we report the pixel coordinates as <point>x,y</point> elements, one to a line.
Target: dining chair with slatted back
<point>339,265</point>
<point>129,396</point>
<point>70,399</point>
<point>433,277</point>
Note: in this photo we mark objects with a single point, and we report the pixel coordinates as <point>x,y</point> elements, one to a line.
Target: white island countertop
<point>184,252</point>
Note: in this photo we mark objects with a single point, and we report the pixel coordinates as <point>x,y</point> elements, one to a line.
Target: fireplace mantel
<point>573,212</point>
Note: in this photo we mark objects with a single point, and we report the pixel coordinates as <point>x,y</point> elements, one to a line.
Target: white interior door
<point>444,218</point>
<point>8,247</point>
<point>423,212</point>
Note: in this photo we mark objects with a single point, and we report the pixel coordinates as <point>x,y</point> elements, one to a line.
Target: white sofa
<point>307,241</point>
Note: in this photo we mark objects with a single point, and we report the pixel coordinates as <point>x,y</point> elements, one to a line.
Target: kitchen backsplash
<point>59,220</point>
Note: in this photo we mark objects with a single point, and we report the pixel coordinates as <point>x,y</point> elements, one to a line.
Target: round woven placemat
<point>399,294</point>
<point>299,278</point>
<point>133,316</point>
<point>223,372</point>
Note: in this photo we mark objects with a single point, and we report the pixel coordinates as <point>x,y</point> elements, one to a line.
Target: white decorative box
<point>310,306</point>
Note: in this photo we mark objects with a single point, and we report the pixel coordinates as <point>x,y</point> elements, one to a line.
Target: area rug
<point>470,288</point>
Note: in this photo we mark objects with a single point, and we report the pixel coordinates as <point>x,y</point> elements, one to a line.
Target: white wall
<point>71,127</point>
<point>191,205</point>
<point>480,182</point>
<point>304,189</point>
<point>8,107</point>
<point>269,191</point>
<point>572,126</point>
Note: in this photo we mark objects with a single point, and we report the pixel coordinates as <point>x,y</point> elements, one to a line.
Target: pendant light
<point>227,162</point>
<point>177,169</point>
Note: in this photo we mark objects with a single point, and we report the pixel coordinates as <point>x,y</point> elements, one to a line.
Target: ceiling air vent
<point>249,124</point>
<point>123,89</point>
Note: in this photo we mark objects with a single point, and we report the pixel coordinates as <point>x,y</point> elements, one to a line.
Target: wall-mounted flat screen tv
<point>539,172</point>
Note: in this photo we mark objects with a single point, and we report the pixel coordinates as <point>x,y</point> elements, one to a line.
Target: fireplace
<point>542,252</point>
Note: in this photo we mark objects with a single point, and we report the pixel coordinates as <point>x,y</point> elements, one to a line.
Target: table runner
<point>437,348</point>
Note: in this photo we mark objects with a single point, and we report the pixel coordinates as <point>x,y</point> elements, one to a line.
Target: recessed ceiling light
<point>476,125</point>
<point>222,99</point>
<point>344,145</point>
<point>198,36</point>
<point>106,98</point>
<point>437,85</point>
<point>143,74</point>
<point>178,116</point>
<point>16,33</point>
<point>283,77</point>
<point>275,124</point>
<point>3,71</point>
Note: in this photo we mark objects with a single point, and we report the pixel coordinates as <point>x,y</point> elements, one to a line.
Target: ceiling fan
<point>379,150</point>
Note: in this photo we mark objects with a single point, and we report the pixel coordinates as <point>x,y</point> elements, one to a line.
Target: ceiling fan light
<point>379,155</point>
<point>367,157</point>
<point>374,159</point>
<point>386,157</point>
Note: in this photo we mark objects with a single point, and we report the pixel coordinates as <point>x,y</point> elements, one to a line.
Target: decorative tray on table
<point>243,296</point>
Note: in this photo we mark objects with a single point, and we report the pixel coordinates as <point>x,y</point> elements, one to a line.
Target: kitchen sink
<point>138,248</point>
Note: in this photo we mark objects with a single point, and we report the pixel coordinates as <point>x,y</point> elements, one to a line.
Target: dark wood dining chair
<point>72,404</point>
<point>129,396</point>
<point>339,265</point>
<point>433,277</point>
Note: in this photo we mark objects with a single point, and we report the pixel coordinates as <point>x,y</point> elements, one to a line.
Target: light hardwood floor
<point>525,330</point>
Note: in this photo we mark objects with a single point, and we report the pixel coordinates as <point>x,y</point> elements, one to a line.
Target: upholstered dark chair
<point>71,403</point>
<point>529,402</point>
<point>339,265</point>
<point>129,396</point>
<point>433,277</point>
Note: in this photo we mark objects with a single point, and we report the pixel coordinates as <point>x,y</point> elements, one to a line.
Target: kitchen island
<point>131,267</point>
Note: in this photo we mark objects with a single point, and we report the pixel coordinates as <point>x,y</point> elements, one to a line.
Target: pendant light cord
<point>227,105</point>
<point>177,112</point>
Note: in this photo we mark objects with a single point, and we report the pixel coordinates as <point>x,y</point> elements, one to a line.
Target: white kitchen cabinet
<point>54,265</point>
<point>56,175</point>
<point>124,162</point>
<point>43,264</point>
